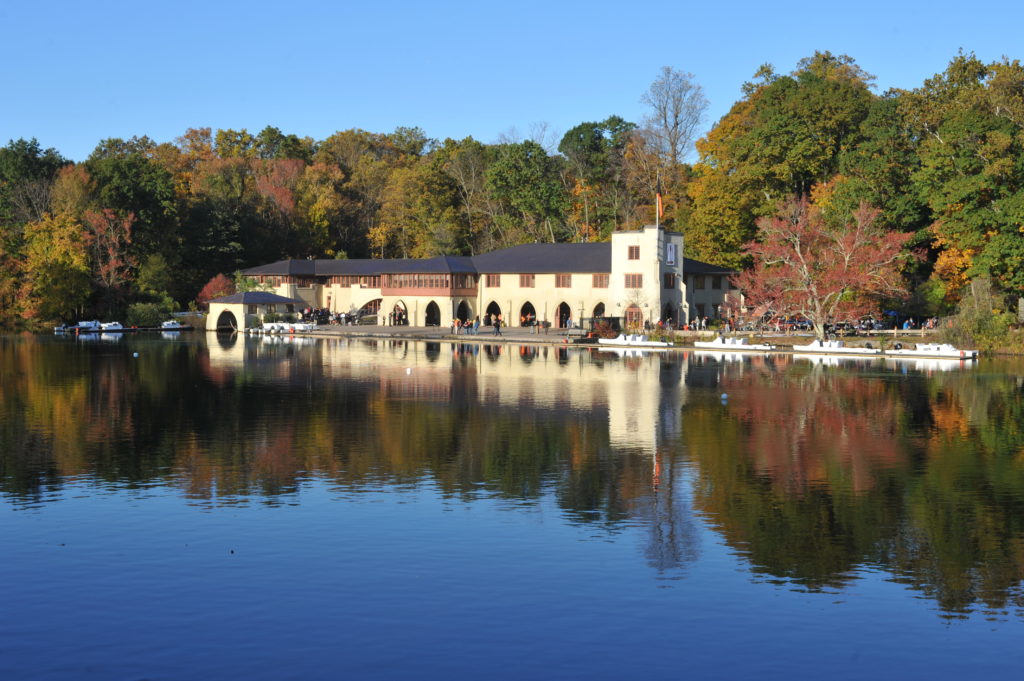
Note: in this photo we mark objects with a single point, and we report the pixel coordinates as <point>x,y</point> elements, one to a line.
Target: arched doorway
<point>433,315</point>
<point>492,312</point>
<point>527,314</point>
<point>598,310</point>
<point>564,315</point>
<point>370,308</point>
<point>634,317</point>
<point>399,315</point>
<point>463,313</point>
<point>227,321</point>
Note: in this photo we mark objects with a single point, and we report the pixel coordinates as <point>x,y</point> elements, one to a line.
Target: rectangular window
<point>634,252</point>
<point>698,281</point>
<point>253,309</point>
<point>671,254</point>
<point>493,280</point>
<point>716,282</point>
<point>563,281</point>
<point>526,280</point>
<point>600,281</point>
<point>634,281</point>
<point>670,280</point>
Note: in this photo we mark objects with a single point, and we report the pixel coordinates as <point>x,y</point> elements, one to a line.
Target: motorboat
<point>86,326</point>
<point>732,344</point>
<point>111,326</point>
<point>932,350</point>
<point>834,347</point>
<point>632,341</point>
<point>172,325</point>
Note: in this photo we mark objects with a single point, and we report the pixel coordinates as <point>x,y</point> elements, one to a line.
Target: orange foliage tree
<point>804,266</point>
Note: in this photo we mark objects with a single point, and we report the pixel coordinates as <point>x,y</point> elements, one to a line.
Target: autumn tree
<point>785,136</point>
<point>56,281</point>
<point>971,174</point>
<point>219,285</point>
<point>108,237</point>
<point>677,106</point>
<point>806,266</point>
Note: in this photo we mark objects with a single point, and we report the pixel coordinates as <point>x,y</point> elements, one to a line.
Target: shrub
<point>146,314</point>
<point>982,322</point>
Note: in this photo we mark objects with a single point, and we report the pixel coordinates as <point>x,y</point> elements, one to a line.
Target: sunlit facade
<point>639,277</point>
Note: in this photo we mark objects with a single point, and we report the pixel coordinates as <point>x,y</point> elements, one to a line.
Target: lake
<point>270,508</point>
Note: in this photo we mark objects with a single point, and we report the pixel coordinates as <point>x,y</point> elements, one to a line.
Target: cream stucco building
<point>638,277</point>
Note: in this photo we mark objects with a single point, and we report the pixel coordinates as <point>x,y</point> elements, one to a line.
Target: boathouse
<point>240,311</point>
<point>638,277</point>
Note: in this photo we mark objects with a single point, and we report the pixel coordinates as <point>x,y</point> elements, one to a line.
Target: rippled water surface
<point>276,509</point>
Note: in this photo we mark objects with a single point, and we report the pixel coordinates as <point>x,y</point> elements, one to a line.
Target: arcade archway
<point>564,315</point>
<point>668,315</point>
<point>527,314</point>
<point>433,315</point>
<point>492,312</point>
<point>399,315</point>
<point>598,310</point>
<point>463,313</point>
<point>634,317</point>
<point>227,321</point>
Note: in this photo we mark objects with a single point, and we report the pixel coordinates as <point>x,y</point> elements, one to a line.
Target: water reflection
<point>811,470</point>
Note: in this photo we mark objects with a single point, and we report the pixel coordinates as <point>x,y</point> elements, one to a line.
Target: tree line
<point>139,220</point>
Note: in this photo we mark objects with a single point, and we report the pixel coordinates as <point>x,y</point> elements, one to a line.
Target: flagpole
<point>657,200</point>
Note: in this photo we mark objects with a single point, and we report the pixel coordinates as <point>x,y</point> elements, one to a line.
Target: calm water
<point>255,509</point>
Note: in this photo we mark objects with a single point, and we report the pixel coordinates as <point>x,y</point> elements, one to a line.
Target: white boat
<point>632,341</point>
<point>935,350</point>
<point>172,325</point>
<point>94,325</point>
<point>834,347</point>
<point>111,326</point>
<point>723,344</point>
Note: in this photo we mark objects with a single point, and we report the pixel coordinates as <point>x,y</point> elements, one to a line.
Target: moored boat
<point>171,325</point>
<point>111,326</point>
<point>723,344</point>
<point>632,341</point>
<point>834,347</point>
<point>935,350</point>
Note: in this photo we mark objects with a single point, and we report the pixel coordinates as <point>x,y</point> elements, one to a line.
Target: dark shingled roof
<point>255,298</point>
<point>698,267</point>
<point>527,258</point>
<point>284,267</point>
<point>546,259</point>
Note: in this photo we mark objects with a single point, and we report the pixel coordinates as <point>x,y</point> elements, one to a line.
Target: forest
<point>141,221</point>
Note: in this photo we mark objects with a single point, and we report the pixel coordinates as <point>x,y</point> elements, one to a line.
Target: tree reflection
<point>816,473</point>
<point>811,473</point>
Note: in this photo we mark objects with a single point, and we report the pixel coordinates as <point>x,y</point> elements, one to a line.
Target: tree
<point>219,285</point>
<point>805,266</point>
<point>677,108</point>
<point>786,135</point>
<point>56,279</point>
<point>26,172</point>
<point>527,180</point>
<point>109,237</point>
<point>971,170</point>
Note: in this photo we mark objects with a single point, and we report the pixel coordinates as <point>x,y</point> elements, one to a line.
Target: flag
<point>657,196</point>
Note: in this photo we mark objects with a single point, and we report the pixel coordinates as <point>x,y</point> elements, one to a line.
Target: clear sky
<point>77,72</point>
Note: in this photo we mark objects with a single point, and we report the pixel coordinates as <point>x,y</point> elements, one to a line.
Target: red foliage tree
<point>109,238</point>
<point>804,266</point>
<point>219,285</point>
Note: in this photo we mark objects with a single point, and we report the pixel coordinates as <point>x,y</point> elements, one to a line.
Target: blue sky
<point>78,72</point>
